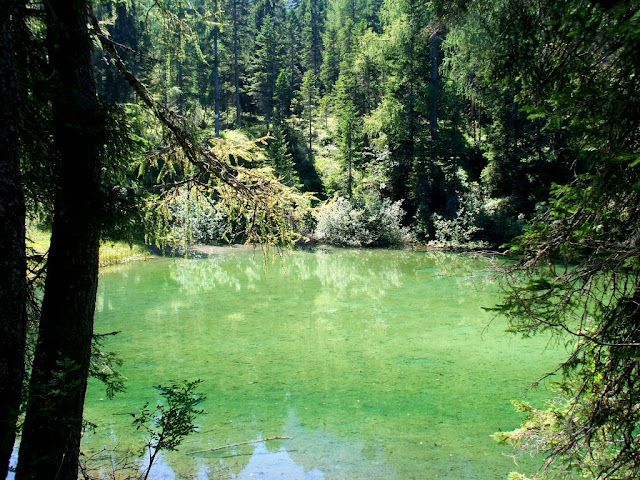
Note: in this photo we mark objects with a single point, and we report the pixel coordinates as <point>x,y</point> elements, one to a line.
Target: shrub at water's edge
<point>361,223</point>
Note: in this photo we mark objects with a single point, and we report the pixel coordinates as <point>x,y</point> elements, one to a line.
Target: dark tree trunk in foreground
<point>13,268</point>
<point>51,435</point>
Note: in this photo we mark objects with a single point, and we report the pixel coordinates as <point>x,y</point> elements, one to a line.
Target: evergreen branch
<point>195,153</point>
<point>129,49</point>
<point>270,202</point>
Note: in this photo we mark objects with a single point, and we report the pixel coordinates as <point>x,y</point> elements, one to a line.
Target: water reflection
<point>13,462</point>
<point>339,282</point>
<point>308,454</point>
<point>322,450</point>
<point>160,470</point>
<point>266,465</point>
<point>345,272</point>
<point>342,271</point>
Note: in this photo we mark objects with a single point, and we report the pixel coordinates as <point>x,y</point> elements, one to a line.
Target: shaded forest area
<point>452,123</point>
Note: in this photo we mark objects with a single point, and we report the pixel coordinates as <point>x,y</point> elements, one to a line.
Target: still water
<point>378,364</point>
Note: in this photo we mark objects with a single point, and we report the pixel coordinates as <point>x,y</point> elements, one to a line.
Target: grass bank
<point>111,252</point>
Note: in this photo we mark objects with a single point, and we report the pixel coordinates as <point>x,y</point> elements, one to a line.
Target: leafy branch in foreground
<point>104,365</point>
<point>168,424</point>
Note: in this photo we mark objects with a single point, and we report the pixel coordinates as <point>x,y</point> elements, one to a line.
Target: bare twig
<point>241,443</point>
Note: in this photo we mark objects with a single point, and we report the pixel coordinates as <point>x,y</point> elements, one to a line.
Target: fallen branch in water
<point>241,443</point>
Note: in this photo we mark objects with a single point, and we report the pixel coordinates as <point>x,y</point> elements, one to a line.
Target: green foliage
<point>104,366</point>
<point>265,67</point>
<point>249,205</point>
<point>279,157</point>
<point>184,216</point>
<point>379,66</point>
<point>362,222</point>
<point>595,303</point>
<point>500,221</point>
<point>579,277</point>
<point>312,19</point>
<point>308,97</point>
<point>112,253</point>
<point>458,232</point>
<point>437,91</point>
<point>283,95</point>
<point>350,125</point>
<point>124,150</point>
<point>486,54</point>
<point>171,421</point>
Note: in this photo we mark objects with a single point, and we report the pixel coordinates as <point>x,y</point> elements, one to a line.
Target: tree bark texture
<point>51,435</point>
<point>13,266</point>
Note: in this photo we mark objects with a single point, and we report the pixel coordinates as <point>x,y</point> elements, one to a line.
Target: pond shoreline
<point>312,245</point>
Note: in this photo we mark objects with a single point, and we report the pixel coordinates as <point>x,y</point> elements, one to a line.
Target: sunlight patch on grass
<point>236,135</point>
<point>38,239</point>
<point>111,252</point>
<point>121,252</point>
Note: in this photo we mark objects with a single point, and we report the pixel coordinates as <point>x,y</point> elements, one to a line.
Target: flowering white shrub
<point>361,223</point>
<point>456,232</point>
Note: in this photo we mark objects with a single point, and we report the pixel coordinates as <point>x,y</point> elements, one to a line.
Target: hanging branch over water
<point>269,208</point>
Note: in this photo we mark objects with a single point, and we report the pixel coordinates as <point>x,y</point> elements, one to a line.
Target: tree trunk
<point>434,42</point>
<point>236,66</point>
<point>310,120</point>
<point>349,169</point>
<point>13,267</point>
<point>51,435</point>
<point>216,79</point>
<point>180,103</point>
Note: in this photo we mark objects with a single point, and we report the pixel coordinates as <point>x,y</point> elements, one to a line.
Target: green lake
<point>378,364</point>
